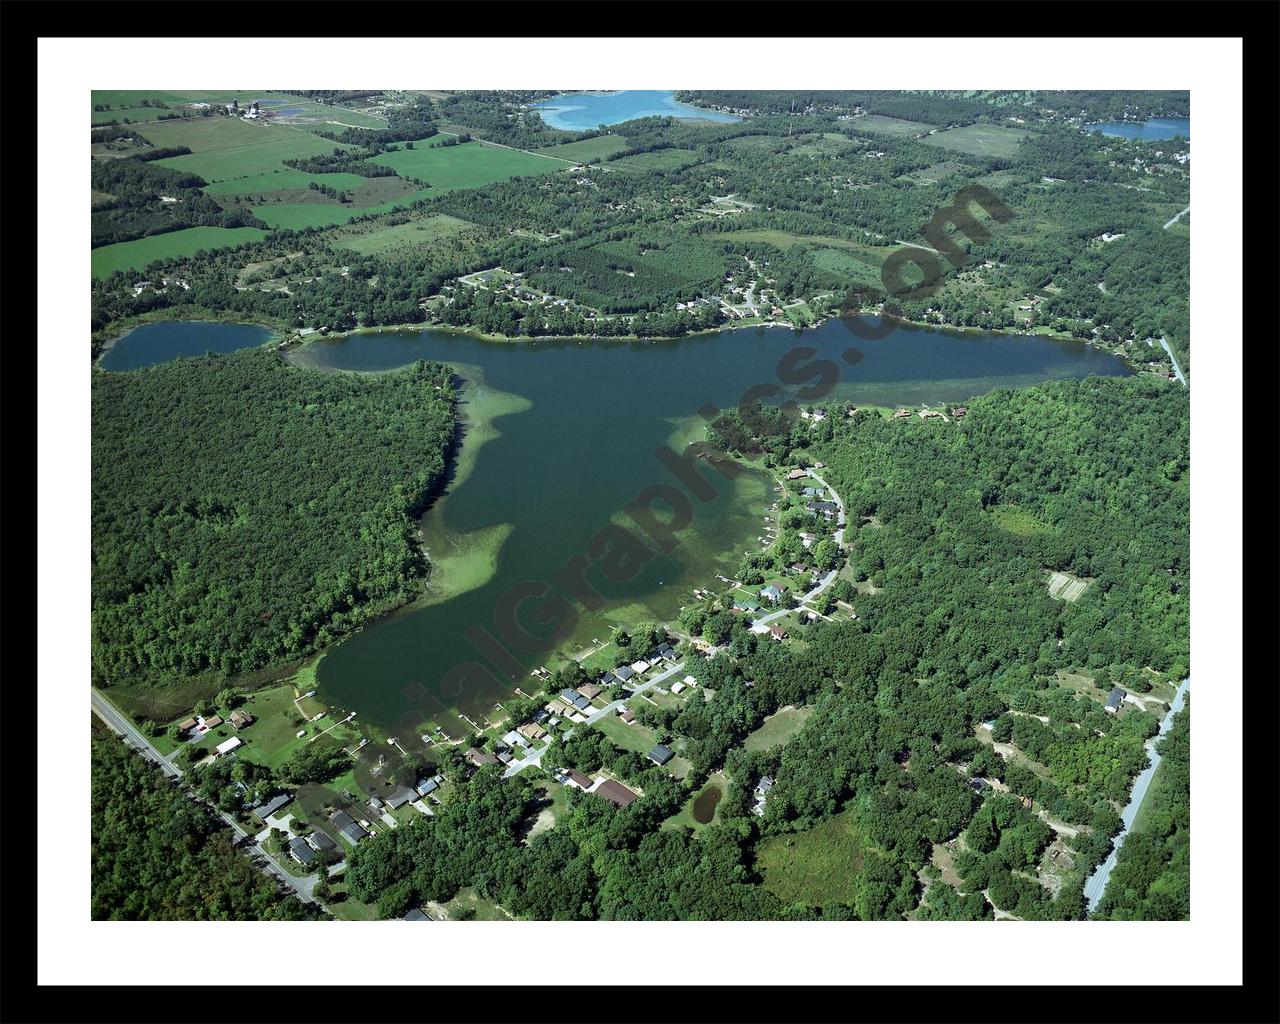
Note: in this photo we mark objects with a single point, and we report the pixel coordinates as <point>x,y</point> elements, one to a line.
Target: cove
<point>561,437</point>
<point>151,344</point>
<point>581,111</point>
<point>1155,129</point>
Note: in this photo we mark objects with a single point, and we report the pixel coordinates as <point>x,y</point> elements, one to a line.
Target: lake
<point>561,436</point>
<point>581,111</point>
<point>1155,129</point>
<point>161,342</point>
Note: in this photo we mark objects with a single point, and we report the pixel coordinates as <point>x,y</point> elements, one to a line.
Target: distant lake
<point>580,111</point>
<point>159,343</point>
<point>1155,129</point>
<point>576,443</point>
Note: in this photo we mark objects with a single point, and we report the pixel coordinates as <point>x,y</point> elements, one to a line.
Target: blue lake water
<point>1153,130</point>
<point>159,343</point>
<point>581,111</point>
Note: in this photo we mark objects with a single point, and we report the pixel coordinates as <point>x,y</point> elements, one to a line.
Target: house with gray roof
<point>660,754</point>
<point>271,806</point>
<point>301,851</point>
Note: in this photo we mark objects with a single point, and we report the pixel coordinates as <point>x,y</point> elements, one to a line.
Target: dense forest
<point>954,528</point>
<point>159,855</point>
<point>246,511</point>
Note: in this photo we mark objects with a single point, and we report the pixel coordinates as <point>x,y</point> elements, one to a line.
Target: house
<point>569,696</point>
<point>348,827</point>
<point>628,715</point>
<point>797,474</point>
<point>427,786</point>
<point>813,492</point>
<point>213,722</point>
<point>533,731</point>
<point>375,802</point>
<point>540,716</point>
<point>929,414</point>
<point>401,797</point>
<point>580,703</point>
<point>902,414</point>
<point>578,779</point>
<point>778,633</point>
<point>624,673</point>
<point>320,842</point>
<point>615,792</point>
<point>186,725</point>
<point>608,680</point>
<point>227,746</point>
<point>740,605</point>
<point>265,811</point>
<point>690,682</point>
<point>505,756</point>
<point>823,508</point>
<point>557,707</point>
<point>977,784</point>
<point>589,690</point>
<point>240,719</point>
<point>479,758</point>
<point>668,653</point>
<point>415,915</point>
<point>772,593</point>
<point>762,795</point>
<point>1114,699</point>
<point>677,687</point>
<point>660,755</point>
<point>515,739</point>
<point>640,667</point>
<point>300,850</point>
<point>959,412</point>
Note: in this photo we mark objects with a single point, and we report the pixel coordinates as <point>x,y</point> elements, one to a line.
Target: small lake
<point>562,436</point>
<point>581,111</point>
<point>704,807</point>
<point>1153,130</point>
<point>155,343</point>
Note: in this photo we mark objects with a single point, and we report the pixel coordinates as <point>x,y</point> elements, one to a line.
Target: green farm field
<point>284,178</point>
<point>142,252</point>
<point>468,165</point>
<point>224,147</point>
<point>588,150</point>
<point>658,160</point>
<point>980,140</point>
<point>777,729</point>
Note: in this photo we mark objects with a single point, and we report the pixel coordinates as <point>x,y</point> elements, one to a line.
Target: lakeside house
<point>479,758</point>
<point>426,787</point>
<point>640,667</point>
<point>624,673</point>
<point>589,690</point>
<point>772,593</point>
<point>797,474</point>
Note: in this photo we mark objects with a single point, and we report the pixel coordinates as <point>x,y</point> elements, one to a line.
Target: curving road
<point>1097,882</point>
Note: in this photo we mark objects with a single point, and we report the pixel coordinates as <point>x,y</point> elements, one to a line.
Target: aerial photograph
<point>639,505</point>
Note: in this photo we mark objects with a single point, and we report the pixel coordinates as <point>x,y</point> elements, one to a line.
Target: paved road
<point>1175,218</point>
<point>1177,370</point>
<point>1097,882</point>
<point>121,724</point>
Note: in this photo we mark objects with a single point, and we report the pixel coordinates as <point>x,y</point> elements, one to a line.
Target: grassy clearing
<point>414,234</point>
<point>894,127</point>
<point>588,150</point>
<point>469,906</point>
<point>130,114</point>
<point>847,265</point>
<point>938,172</point>
<point>1020,521</point>
<point>469,165</point>
<point>818,867</point>
<point>657,160</point>
<point>779,728</point>
<point>635,736</point>
<point>142,252</point>
<point>980,140</point>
